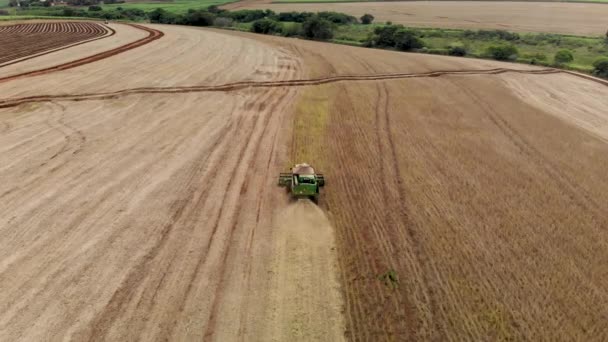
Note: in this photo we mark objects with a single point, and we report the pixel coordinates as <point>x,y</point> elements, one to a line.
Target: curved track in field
<point>268,84</point>
<point>152,36</point>
<point>25,41</point>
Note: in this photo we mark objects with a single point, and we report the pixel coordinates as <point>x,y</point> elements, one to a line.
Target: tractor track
<point>235,86</point>
<point>152,36</point>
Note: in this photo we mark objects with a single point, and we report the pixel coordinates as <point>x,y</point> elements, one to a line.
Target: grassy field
<point>334,1</point>
<point>316,1</point>
<point>177,6</point>
<point>32,17</point>
<point>538,46</point>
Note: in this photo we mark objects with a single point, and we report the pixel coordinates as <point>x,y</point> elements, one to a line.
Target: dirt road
<point>458,206</point>
<point>550,17</point>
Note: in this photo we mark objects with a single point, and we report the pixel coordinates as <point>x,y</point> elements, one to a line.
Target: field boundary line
<point>152,36</point>
<point>235,86</point>
<point>22,59</point>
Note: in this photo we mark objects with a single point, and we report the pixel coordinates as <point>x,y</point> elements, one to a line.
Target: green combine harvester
<point>302,182</point>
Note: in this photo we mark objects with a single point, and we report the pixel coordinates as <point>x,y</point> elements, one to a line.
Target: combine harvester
<point>302,182</point>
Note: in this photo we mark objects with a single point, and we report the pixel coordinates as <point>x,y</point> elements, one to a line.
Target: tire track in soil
<point>409,234</point>
<point>437,331</point>
<point>12,102</point>
<point>181,210</point>
<point>271,101</point>
<point>152,36</point>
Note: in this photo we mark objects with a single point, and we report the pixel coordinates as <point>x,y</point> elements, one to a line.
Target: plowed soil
<point>23,40</point>
<point>465,198</point>
<point>549,17</point>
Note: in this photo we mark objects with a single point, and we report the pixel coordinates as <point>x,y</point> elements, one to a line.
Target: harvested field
<point>459,205</point>
<point>549,17</point>
<point>26,40</point>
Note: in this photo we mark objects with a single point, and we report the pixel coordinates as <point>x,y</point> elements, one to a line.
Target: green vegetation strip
<point>586,54</point>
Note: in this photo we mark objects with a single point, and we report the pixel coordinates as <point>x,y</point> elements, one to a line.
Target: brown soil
<point>25,41</point>
<point>152,36</point>
<point>468,202</point>
<point>550,17</point>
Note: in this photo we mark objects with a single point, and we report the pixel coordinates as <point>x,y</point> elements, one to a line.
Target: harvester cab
<point>302,182</point>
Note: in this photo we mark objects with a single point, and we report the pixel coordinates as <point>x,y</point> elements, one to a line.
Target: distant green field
<point>311,1</point>
<point>176,6</point>
<point>31,17</point>
<point>334,1</point>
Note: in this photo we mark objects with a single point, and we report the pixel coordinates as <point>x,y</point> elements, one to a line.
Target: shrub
<point>396,36</point>
<point>4,12</point>
<point>223,22</point>
<point>491,34</point>
<point>337,18</point>
<point>384,36</point>
<point>162,16</point>
<point>406,40</point>
<point>292,29</point>
<point>246,16</point>
<point>502,52</point>
<point>563,57</point>
<point>68,12</point>
<point>95,8</point>
<point>318,28</point>
<point>198,18</point>
<point>367,19</point>
<point>600,67</point>
<point>266,26</point>
<point>297,17</point>
<point>131,13</point>
<point>457,51</point>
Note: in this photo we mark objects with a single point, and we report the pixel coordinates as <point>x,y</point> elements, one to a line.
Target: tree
<point>600,67</point>
<point>367,19</point>
<point>406,40</point>
<point>266,26</point>
<point>199,18</point>
<point>384,36</point>
<point>317,28</point>
<point>162,16</point>
<point>502,52</point>
<point>563,57</point>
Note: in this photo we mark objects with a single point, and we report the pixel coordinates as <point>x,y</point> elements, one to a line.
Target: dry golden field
<point>466,199</point>
<point>549,17</point>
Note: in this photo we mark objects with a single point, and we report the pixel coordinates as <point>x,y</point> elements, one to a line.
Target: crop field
<point>549,17</point>
<point>465,200</point>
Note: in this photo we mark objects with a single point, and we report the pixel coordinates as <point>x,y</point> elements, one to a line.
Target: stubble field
<point>549,17</point>
<point>465,198</point>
